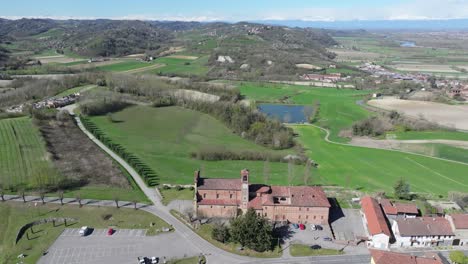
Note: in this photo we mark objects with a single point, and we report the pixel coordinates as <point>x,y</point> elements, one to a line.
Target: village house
<point>374,219</point>
<point>394,210</point>
<point>422,232</point>
<point>332,77</point>
<point>227,198</point>
<point>387,257</point>
<point>459,224</point>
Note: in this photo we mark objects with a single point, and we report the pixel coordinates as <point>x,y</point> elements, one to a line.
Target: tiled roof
<point>387,257</point>
<point>299,196</point>
<point>460,221</point>
<point>404,208</point>
<point>376,222</point>
<point>424,226</point>
<point>398,208</point>
<point>219,184</point>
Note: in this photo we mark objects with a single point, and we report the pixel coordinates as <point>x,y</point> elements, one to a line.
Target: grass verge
<point>298,250</point>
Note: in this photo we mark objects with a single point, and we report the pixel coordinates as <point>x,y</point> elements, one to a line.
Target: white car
<point>154,260</point>
<point>84,230</point>
<point>313,227</point>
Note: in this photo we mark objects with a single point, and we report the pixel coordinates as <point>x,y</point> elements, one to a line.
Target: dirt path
<point>152,67</point>
<point>396,144</point>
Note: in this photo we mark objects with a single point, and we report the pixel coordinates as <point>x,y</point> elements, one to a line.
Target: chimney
<point>196,177</point>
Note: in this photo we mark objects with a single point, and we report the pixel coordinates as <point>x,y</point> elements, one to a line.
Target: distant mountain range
<point>448,24</point>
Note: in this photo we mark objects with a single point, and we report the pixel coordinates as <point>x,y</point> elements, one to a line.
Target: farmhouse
<point>226,198</point>
<point>459,224</point>
<point>394,210</point>
<point>387,257</point>
<point>374,219</point>
<point>422,232</point>
<point>332,77</point>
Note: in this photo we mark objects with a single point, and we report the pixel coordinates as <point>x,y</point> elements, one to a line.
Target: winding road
<point>212,253</point>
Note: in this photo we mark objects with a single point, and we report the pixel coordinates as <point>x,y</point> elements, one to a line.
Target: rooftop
<point>376,221</point>
<point>387,257</point>
<point>398,208</point>
<point>460,221</point>
<point>219,184</point>
<point>424,226</point>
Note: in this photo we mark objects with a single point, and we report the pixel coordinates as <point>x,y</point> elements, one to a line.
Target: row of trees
<point>151,178</point>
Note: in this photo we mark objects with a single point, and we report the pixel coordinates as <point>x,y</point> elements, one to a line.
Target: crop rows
<point>23,158</point>
<point>150,177</point>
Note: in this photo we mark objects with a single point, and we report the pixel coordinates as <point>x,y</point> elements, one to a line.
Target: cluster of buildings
<point>226,198</point>
<point>454,88</point>
<point>378,71</point>
<point>328,78</point>
<point>399,225</point>
<point>57,102</point>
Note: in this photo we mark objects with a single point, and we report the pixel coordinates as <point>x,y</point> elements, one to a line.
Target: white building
<point>459,224</point>
<point>422,232</point>
<point>374,219</point>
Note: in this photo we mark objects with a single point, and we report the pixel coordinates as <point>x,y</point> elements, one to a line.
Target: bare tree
<point>290,171</point>
<point>2,194</point>
<point>116,200</point>
<point>266,171</point>
<point>22,193</point>
<point>78,199</point>
<point>60,194</point>
<point>42,196</point>
<point>308,172</point>
<point>135,204</point>
<point>307,110</point>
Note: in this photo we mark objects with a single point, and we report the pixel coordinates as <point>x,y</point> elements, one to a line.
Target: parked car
<point>315,247</point>
<point>84,231</point>
<point>327,239</point>
<point>318,227</point>
<point>302,226</point>
<point>295,226</point>
<point>110,231</point>
<point>154,260</point>
<point>313,227</point>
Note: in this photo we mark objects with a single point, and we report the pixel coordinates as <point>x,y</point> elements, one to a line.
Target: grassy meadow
<point>40,237</point>
<point>183,67</point>
<point>124,66</point>
<point>24,160</point>
<point>163,138</point>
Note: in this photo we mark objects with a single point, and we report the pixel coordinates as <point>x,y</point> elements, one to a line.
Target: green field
<point>14,215</point>
<point>374,169</point>
<point>124,66</point>
<point>355,167</point>
<point>23,157</point>
<point>438,150</point>
<point>75,90</point>
<point>338,108</point>
<point>172,194</point>
<point>182,67</point>
<point>164,137</point>
<point>449,135</point>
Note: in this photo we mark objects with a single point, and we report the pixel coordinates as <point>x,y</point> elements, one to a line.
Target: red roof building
<point>387,257</point>
<point>459,224</point>
<point>225,197</point>
<point>374,218</point>
<point>399,209</point>
<point>422,232</point>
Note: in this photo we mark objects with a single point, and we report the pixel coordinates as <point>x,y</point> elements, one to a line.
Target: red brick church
<point>226,198</point>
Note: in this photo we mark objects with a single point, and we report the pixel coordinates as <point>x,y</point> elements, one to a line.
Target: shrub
<point>179,188</point>
<point>220,233</point>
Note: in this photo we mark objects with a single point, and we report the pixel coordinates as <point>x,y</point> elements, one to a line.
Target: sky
<point>237,10</point>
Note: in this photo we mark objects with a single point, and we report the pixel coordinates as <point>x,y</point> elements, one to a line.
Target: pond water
<point>407,44</point>
<point>286,113</point>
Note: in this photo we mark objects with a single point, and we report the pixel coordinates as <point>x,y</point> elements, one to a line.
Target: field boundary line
<point>327,139</point>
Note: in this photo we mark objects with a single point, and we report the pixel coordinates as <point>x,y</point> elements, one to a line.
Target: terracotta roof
<point>299,196</point>
<point>219,184</point>
<point>256,203</point>
<point>398,208</point>
<point>424,226</point>
<point>376,222</point>
<point>460,221</point>
<point>218,202</point>
<point>387,257</point>
<point>405,208</point>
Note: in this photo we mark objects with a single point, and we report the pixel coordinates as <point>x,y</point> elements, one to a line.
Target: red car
<point>301,226</point>
<point>110,231</point>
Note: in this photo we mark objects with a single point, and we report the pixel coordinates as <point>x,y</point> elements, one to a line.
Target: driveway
<point>124,246</point>
<point>347,224</point>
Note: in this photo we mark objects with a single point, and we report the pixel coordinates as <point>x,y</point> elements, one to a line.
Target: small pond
<point>407,44</point>
<point>286,113</point>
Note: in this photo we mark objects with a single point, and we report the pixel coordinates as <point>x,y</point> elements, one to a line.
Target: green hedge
<point>151,178</point>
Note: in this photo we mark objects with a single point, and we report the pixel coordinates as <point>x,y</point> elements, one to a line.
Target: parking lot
<point>347,224</point>
<point>124,246</point>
